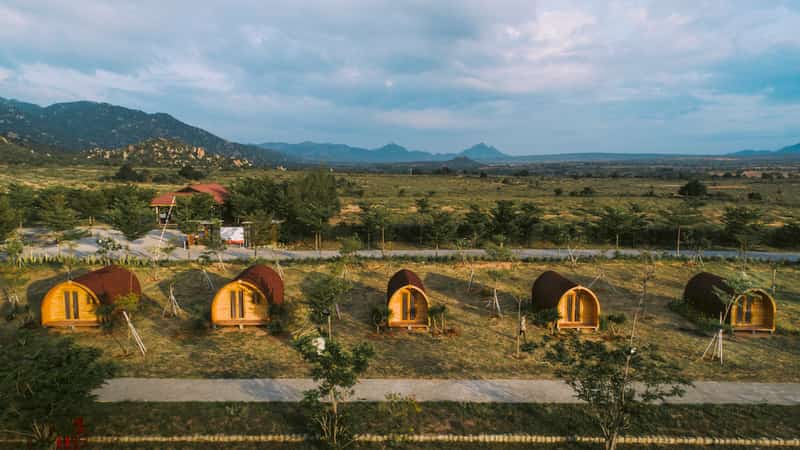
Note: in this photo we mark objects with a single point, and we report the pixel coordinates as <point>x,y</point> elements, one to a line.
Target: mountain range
<point>76,126</point>
<point>48,133</point>
<point>389,153</point>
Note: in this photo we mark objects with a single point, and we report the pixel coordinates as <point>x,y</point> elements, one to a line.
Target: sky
<point>529,77</point>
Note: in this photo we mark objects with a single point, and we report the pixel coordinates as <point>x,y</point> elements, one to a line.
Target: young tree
<point>613,222</point>
<point>528,222</point>
<point>312,201</point>
<point>189,211</point>
<point>9,219</point>
<point>262,230</point>
<point>126,172</point>
<point>374,219</point>
<point>55,213</point>
<point>22,200</point>
<point>442,228</point>
<point>131,216</point>
<point>88,203</point>
<point>422,216</point>
<point>681,216</point>
<point>336,370</point>
<point>323,292</point>
<point>615,380</point>
<point>475,223</point>
<point>504,219</point>
<point>742,226</point>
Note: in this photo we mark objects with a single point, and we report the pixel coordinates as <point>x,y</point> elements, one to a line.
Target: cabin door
<point>744,309</point>
<point>237,303</point>
<point>409,308</point>
<point>573,308</point>
<point>72,310</point>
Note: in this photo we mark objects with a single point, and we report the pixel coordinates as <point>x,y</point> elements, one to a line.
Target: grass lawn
<point>481,348</point>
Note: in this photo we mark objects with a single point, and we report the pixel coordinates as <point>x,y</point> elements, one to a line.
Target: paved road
<point>425,390</point>
<point>146,247</point>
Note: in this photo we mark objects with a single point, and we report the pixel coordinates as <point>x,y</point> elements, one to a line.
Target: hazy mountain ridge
<point>83,125</point>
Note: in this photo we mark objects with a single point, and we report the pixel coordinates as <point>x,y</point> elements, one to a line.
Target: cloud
<point>528,77</point>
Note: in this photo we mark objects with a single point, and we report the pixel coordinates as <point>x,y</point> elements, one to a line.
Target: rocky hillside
<point>164,152</point>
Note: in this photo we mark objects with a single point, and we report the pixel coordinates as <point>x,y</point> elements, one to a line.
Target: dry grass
<point>482,347</point>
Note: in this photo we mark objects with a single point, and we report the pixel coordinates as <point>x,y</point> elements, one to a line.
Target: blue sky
<point>528,77</point>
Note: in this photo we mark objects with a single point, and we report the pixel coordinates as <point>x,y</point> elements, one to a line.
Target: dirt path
<point>426,390</point>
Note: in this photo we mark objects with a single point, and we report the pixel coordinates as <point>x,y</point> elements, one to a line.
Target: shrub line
<point>478,438</point>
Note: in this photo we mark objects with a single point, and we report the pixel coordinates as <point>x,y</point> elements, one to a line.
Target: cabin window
<point>405,305</point>
<point>67,308</point>
<point>233,304</point>
<point>241,303</point>
<point>75,314</point>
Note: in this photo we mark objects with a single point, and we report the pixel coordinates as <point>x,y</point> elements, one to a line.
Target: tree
<point>56,383</point>
<point>88,203</point>
<point>374,220</point>
<point>249,196</point>
<point>126,172</point>
<point>681,216</point>
<point>423,215</point>
<point>190,173</point>
<point>336,370</point>
<point>742,226</point>
<point>131,216</point>
<point>613,222</point>
<point>312,201</point>
<point>262,230</point>
<point>8,219</point>
<point>503,219</point>
<point>323,292</point>
<point>442,228</point>
<point>693,188</point>
<point>55,213</point>
<point>615,380</point>
<point>22,200</point>
<point>476,223</point>
<point>190,210</point>
<point>380,315</point>
<point>528,221</point>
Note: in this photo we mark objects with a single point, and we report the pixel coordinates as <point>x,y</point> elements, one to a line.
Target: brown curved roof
<point>110,282</point>
<point>700,293</point>
<point>266,280</point>
<point>548,289</point>
<point>403,277</point>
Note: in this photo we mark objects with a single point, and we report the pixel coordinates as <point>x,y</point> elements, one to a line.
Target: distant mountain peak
<point>482,151</point>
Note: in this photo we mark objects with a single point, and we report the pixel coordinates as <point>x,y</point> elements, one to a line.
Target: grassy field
<point>187,347</point>
<point>165,419</point>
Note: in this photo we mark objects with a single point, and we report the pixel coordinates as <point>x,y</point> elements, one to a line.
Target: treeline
<point>304,207</point>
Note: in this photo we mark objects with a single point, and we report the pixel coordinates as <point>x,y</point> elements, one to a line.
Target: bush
<point>693,188</point>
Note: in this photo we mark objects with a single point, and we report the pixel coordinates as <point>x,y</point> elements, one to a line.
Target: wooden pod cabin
<point>246,299</point>
<point>72,303</point>
<point>407,301</point>
<point>578,307</point>
<point>755,310</point>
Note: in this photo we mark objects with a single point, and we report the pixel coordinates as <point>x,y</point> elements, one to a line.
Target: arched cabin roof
<point>548,289</point>
<point>700,293</point>
<point>266,280</point>
<point>403,277</point>
<point>110,282</point>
